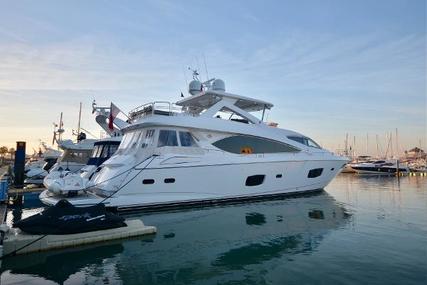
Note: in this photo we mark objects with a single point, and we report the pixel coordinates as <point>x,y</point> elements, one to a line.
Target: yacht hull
<point>210,184</point>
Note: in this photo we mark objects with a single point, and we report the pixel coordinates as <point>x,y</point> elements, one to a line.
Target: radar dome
<point>195,87</point>
<point>218,85</point>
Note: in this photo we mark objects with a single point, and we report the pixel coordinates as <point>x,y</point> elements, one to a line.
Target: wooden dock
<point>20,191</point>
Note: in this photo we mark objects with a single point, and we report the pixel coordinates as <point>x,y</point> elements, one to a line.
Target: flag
<point>114,111</point>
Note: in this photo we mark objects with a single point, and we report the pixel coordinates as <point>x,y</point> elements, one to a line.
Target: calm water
<point>360,230</point>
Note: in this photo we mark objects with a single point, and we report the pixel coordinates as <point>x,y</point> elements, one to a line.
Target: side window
<point>305,141</point>
<point>148,139</point>
<point>167,138</point>
<point>127,138</point>
<point>96,151</point>
<point>312,143</point>
<point>113,148</point>
<point>242,144</point>
<point>136,139</point>
<point>105,151</point>
<point>186,139</point>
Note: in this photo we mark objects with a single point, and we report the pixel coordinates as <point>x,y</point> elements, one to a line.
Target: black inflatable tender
<point>64,218</point>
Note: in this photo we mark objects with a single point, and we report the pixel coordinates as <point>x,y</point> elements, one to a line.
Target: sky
<point>329,67</point>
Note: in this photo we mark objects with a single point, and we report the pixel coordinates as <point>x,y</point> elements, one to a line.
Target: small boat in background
<point>81,159</point>
<point>38,167</point>
<point>70,183</point>
<point>360,159</point>
<point>380,167</point>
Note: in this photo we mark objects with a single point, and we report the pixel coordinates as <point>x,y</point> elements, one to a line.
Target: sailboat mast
<point>367,143</point>
<point>346,144</point>
<point>376,139</point>
<point>354,146</point>
<point>397,144</point>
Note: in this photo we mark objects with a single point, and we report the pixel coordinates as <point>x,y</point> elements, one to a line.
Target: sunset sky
<point>329,67</point>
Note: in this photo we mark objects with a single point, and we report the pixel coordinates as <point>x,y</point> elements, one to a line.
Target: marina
<point>90,196</point>
<point>227,142</point>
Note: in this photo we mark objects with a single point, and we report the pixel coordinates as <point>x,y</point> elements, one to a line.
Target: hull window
<point>254,180</point>
<point>315,173</point>
<point>235,144</point>
<point>279,176</point>
<point>170,180</point>
<point>148,181</point>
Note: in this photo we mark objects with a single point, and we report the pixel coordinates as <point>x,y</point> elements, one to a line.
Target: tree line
<point>4,151</point>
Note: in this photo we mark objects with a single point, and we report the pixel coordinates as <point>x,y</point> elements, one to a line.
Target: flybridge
<point>208,98</point>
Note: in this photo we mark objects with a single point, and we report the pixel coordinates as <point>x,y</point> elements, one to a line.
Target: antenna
<point>195,73</point>
<point>60,129</point>
<point>93,106</point>
<point>206,67</point>
<point>197,63</point>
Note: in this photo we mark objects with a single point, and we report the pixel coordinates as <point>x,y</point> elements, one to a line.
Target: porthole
<point>148,181</point>
<point>170,180</point>
<point>254,180</point>
<point>332,169</point>
<point>279,176</point>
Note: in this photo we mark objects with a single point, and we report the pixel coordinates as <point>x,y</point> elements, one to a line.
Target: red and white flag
<point>114,111</point>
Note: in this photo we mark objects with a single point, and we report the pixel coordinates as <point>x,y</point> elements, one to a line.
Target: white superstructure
<point>208,147</point>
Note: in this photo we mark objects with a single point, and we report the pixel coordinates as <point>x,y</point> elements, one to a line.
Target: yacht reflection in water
<point>199,245</point>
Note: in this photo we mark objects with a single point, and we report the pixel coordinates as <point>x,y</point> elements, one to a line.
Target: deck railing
<point>155,108</point>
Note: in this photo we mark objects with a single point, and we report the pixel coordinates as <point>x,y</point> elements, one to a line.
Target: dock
<point>14,241</point>
<point>18,242</point>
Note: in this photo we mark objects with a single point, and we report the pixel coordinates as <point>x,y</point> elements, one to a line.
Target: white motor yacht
<point>68,183</point>
<point>207,148</point>
<point>80,158</point>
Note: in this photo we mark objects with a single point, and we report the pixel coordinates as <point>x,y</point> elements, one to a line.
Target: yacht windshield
<point>187,139</point>
<point>79,156</point>
<point>129,141</point>
<point>167,138</point>
<point>96,152</point>
<point>305,141</point>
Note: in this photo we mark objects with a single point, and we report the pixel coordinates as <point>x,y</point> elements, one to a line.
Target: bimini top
<point>208,98</point>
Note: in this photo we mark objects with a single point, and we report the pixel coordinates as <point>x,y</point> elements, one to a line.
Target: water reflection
<point>58,266</point>
<point>255,219</point>
<point>255,253</point>
<point>196,246</point>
